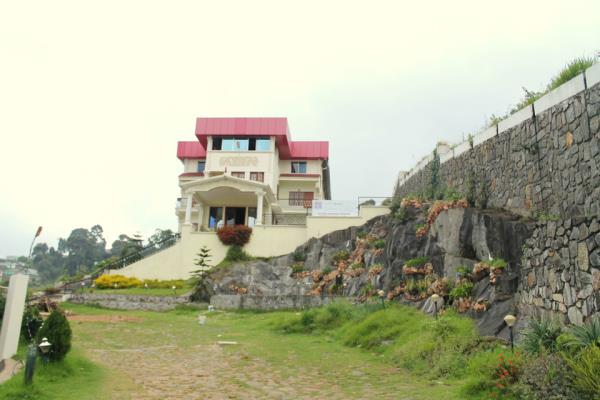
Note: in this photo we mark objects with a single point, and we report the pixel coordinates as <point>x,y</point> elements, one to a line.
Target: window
<point>298,167</point>
<point>238,174</point>
<point>251,216</point>
<point>201,166</point>
<point>241,144</point>
<point>301,199</point>
<point>257,176</point>
<point>215,219</point>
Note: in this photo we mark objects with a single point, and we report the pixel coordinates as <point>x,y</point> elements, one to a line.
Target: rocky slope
<point>358,262</point>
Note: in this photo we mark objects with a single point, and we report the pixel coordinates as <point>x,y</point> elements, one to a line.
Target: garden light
<point>435,298</point>
<point>510,321</point>
<point>381,294</point>
<point>45,348</point>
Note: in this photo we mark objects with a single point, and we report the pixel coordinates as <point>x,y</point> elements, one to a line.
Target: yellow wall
<point>177,261</point>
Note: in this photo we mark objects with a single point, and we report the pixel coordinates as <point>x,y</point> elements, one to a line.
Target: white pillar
<point>188,210</point>
<point>259,207</point>
<point>13,314</point>
<point>200,215</point>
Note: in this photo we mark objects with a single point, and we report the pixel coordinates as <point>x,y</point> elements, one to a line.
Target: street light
<point>381,294</point>
<point>45,348</point>
<point>435,298</point>
<point>510,321</point>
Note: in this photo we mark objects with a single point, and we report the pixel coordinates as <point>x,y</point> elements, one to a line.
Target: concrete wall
<point>130,302</point>
<point>177,261</point>
<point>249,302</point>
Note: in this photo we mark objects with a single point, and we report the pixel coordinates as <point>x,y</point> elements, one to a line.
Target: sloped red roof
<point>190,150</point>
<point>309,150</point>
<point>277,127</point>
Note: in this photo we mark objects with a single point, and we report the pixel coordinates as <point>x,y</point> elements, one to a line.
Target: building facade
<point>248,171</point>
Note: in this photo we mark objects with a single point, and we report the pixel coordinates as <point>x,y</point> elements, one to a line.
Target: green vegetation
<point>234,254</point>
<point>341,255</point>
<point>378,243</point>
<point>433,191</point>
<point>297,268</point>
<point>299,256</point>
<point>74,378</point>
<point>540,336</point>
<point>358,265</point>
<point>58,332</point>
<point>417,262</point>
<point>497,263</point>
<point>462,289</point>
<point>585,368</point>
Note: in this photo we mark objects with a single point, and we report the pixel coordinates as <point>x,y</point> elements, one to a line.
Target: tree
<point>82,248</point>
<point>161,236</point>
<point>118,246</point>
<point>202,288</point>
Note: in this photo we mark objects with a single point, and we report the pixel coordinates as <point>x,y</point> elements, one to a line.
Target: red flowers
<point>237,235</point>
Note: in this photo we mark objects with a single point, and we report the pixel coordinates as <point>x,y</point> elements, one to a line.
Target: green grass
<point>73,378</point>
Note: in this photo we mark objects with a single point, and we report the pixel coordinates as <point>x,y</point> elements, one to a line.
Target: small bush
<point>357,265</point>
<point>299,256</point>
<point>237,235</point>
<point>378,244</point>
<point>463,271</point>
<point>341,255</point>
<point>462,289</point>
<point>58,332</point>
<point>116,281</point>
<point>326,270</point>
<point>235,253</point>
<point>540,336</point>
<point>417,262</point>
<point>547,377</point>
<point>297,268</point>
<point>585,368</point>
<point>361,234</point>
<point>570,71</point>
<point>588,334</point>
<point>497,263</point>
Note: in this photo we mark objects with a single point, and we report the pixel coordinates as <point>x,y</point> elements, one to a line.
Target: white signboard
<point>334,208</point>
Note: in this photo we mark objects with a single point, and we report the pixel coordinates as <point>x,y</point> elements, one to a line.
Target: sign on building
<point>334,208</point>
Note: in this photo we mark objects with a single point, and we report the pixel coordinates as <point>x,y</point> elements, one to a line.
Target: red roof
<point>190,150</point>
<point>277,127</point>
<point>309,150</point>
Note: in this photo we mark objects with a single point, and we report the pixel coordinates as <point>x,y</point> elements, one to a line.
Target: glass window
<point>217,142</point>
<point>201,166</point>
<point>263,144</point>
<point>301,199</point>
<point>257,176</point>
<point>298,167</point>
<point>238,174</point>
<point>228,144</point>
<point>215,218</point>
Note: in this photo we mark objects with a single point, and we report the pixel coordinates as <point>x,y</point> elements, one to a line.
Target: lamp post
<point>510,321</point>
<point>174,290</point>
<point>381,294</point>
<point>435,298</point>
<point>45,348</point>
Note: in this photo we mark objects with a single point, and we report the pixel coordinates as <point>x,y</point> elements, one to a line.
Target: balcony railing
<point>284,219</point>
<point>304,203</point>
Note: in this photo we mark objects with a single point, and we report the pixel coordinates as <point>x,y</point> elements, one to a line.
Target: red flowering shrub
<point>507,373</point>
<point>237,235</point>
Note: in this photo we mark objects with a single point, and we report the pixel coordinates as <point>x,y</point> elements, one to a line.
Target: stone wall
<point>561,273</point>
<point>546,165</point>
<point>130,302</point>
<point>259,302</point>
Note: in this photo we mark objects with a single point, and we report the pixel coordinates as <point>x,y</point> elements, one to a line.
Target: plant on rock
<point>58,332</point>
<point>237,235</point>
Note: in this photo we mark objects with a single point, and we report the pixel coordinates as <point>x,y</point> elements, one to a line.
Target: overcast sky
<point>95,95</point>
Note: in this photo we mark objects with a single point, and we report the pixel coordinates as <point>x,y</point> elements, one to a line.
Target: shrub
<point>547,377</point>
<point>341,255</point>
<point>463,271</point>
<point>357,265</point>
<point>31,322</point>
<point>507,372</point>
<point>297,268</point>
<point>570,71</point>
<point>462,289</point>
<point>326,270</point>
<point>588,334</point>
<point>299,256</point>
<point>378,244</point>
<point>497,263</point>
<point>121,282</point>
<point>417,262</point>
<point>58,332</point>
<point>585,368</point>
<point>168,284</point>
<point>540,336</point>
<point>451,194</point>
<point>49,291</point>
<point>235,253</point>
<point>361,234</point>
<point>237,235</point>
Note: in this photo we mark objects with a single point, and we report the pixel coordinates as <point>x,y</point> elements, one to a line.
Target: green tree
<point>202,288</point>
<point>161,235</point>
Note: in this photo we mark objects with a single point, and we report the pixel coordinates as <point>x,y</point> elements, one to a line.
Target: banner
<point>334,208</point>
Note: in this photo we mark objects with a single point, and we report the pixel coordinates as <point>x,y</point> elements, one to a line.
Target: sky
<point>95,95</point>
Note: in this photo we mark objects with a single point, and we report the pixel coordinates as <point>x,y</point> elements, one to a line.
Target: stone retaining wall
<point>251,302</point>
<point>130,302</point>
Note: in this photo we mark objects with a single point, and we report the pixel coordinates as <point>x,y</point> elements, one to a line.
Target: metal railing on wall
<point>285,219</point>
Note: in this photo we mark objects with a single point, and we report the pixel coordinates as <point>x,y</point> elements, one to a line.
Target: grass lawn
<point>151,355</point>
